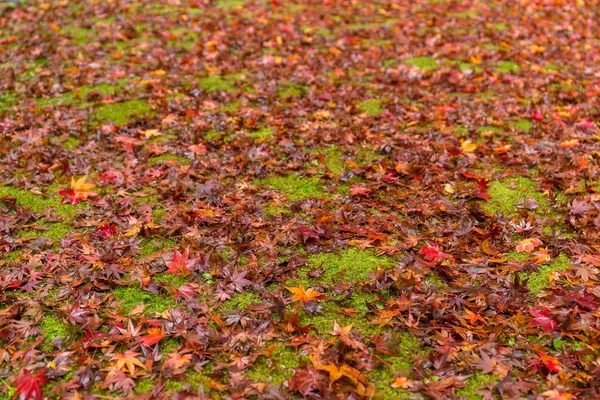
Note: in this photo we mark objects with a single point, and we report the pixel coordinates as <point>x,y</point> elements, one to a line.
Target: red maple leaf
<point>29,386</point>
<point>551,363</point>
<point>432,253</point>
<point>181,263</point>
<point>542,318</point>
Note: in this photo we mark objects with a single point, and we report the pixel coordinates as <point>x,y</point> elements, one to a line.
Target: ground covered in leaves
<point>276,199</point>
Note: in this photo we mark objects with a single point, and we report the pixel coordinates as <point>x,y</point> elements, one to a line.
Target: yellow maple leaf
<point>127,361</point>
<point>468,146</point>
<point>81,188</point>
<point>150,133</point>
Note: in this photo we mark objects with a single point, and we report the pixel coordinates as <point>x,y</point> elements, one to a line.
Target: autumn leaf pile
<point>308,199</point>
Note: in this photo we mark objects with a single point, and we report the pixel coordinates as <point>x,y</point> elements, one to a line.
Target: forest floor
<point>323,199</point>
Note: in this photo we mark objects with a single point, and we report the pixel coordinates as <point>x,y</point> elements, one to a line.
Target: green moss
<point>383,376</point>
<point>504,199</point>
<point>104,89</point>
<point>422,62</point>
<point>500,26</point>
<point>171,280</point>
<point>38,203</point>
<point>334,160</point>
<point>323,322</point>
<point>277,368</point>
<point>518,257</point>
<point>122,113</point>
<point>293,186</point>
<point>291,90</point>
<point>489,130</point>
<point>14,255</point>
<point>461,130</point>
<point>81,36</point>
<point>166,158</point>
<point>144,385</point>
<point>371,107</point>
<point>129,297</point>
<point>475,383</point>
<point>55,232</point>
<point>356,264</point>
<point>538,281</point>
<point>169,345</point>
<point>52,328</point>
<point>241,301</point>
<point>263,133</point>
<point>551,67</point>
<point>232,107</point>
<point>274,210</point>
<point>213,83</point>
<point>230,4</point>
<point>152,245</point>
<point>7,100</point>
<point>506,67</point>
<point>522,125</point>
<point>71,143</point>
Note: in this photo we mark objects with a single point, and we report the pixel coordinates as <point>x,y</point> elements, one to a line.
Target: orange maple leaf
<point>127,361</point>
<point>303,295</point>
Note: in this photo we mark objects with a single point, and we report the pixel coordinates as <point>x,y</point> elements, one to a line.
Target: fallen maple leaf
<point>402,382</point>
<point>542,319</point>
<point>432,253</point>
<point>128,361</point>
<point>30,386</point>
<point>180,263</point>
<point>154,335</point>
<point>79,191</point>
<point>551,363</point>
<point>528,245</point>
<point>468,146</point>
<point>302,295</point>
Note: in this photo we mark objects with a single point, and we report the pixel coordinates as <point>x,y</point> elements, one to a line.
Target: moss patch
<point>55,232</point>
<point>475,383</point>
<point>295,187</point>
<point>538,281</point>
<point>277,368</point>
<point>167,158</point>
<point>291,90</point>
<point>134,296</point>
<point>382,377</point>
<point>241,301</point>
<point>122,113</point>
<point>38,203</point>
<point>422,62</point>
<point>522,125</point>
<point>263,133</point>
<point>355,264</point>
<point>52,328</point>
<point>507,67</point>
<point>152,245</point>
<point>71,143</point>
<point>213,83</point>
<point>504,196</point>
<point>7,100</point>
<point>371,107</point>
<point>334,160</point>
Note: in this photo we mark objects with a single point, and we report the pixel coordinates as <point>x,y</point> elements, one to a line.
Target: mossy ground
<point>371,107</point>
<point>122,113</point>
<point>294,187</point>
<point>507,194</point>
<point>132,296</point>
<point>351,264</point>
<point>422,62</point>
<point>539,280</point>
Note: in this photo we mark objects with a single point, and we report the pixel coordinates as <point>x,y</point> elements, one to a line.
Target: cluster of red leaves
<point>181,213</point>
